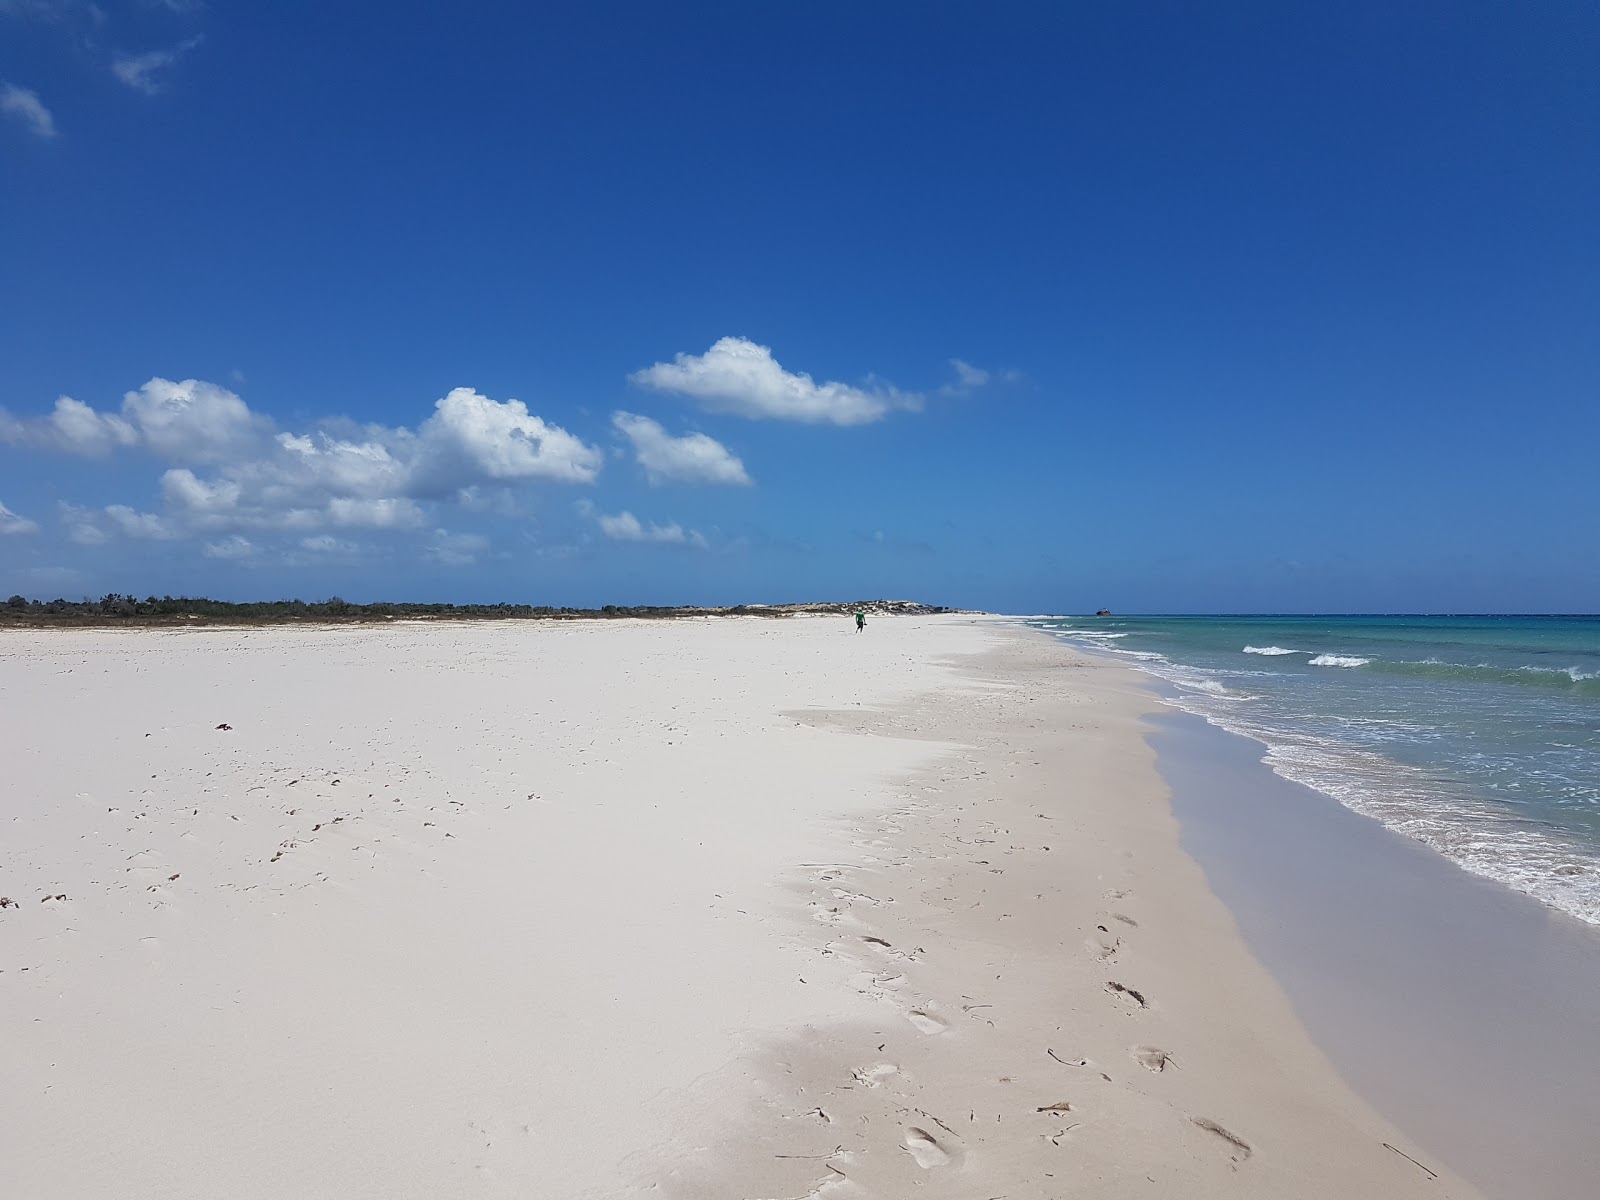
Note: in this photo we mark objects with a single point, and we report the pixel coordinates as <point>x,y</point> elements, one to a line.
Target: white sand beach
<point>701,908</point>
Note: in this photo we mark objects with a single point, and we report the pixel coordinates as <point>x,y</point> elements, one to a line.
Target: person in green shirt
<point>861,621</point>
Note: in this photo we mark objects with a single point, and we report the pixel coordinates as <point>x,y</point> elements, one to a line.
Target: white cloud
<point>11,523</point>
<point>625,527</point>
<point>139,525</point>
<point>692,459</point>
<point>390,512</point>
<point>501,501</point>
<point>91,527</point>
<point>340,475</point>
<point>191,421</point>
<point>139,71</point>
<point>473,436</point>
<point>455,549</point>
<point>183,490</point>
<point>81,526</point>
<point>970,379</point>
<point>78,429</point>
<point>327,463</point>
<point>969,376</point>
<point>25,106</point>
<point>737,376</point>
<point>231,549</point>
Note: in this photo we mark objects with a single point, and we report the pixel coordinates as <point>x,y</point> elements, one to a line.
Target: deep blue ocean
<point>1479,736</point>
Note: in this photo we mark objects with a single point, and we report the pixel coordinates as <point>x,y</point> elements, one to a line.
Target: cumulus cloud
<point>141,526</point>
<point>93,527</point>
<point>238,474</point>
<point>472,435</point>
<point>740,377</point>
<point>11,523</point>
<point>389,512</point>
<point>21,104</point>
<point>191,421</point>
<point>696,458</point>
<point>140,71</point>
<point>625,527</point>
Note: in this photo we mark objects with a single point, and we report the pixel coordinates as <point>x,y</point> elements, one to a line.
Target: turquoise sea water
<point>1479,736</point>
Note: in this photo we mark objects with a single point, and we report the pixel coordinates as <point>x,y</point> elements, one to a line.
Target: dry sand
<point>724,908</point>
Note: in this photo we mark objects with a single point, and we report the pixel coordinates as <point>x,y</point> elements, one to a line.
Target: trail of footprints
<point>852,901</point>
<point>940,1147</point>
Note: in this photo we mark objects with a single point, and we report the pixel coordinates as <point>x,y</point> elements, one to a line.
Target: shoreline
<point>684,909</point>
<point>1460,1007</point>
<point>1065,1003</point>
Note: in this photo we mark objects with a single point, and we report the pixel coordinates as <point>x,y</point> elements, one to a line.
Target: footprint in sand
<point>1152,1059</point>
<point>879,985</point>
<point>1102,943</point>
<point>1240,1148</point>
<point>1130,997</point>
<point>926,1022</point>
<point>874,1076</point>
<point>924,1148</point>
<point>830,916</point>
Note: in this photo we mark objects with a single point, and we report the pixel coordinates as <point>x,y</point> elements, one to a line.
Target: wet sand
<point>1467,1013</point>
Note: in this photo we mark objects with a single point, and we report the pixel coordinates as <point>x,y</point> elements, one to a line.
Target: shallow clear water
<point>1479,736</point>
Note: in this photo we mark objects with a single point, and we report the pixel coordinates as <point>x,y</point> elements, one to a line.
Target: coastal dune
<point>726,907</point>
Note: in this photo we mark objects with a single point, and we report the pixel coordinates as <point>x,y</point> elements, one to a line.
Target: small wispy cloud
<point>625,527</point>
<point>141,71</point>
<point>455,549</point>
<point>231,549</point>
<point>23,105</point>
<point>10,522</point>
<point>970,379</point>
<point>324,544</point>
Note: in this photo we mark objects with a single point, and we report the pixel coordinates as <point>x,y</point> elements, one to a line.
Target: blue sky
<point>1031,307</point>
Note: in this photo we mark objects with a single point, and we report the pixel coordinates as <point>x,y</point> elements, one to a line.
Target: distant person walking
<point>861,621</point>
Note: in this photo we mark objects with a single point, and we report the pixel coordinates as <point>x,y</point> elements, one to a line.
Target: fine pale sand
<point>722,908</point>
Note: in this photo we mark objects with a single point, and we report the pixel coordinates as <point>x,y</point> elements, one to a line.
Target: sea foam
<point>1339,660</point>
<point>1274,650</point>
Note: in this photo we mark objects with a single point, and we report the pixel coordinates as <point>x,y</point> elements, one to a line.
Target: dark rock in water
<point>1104,612</point>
